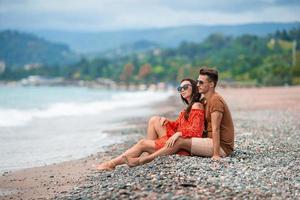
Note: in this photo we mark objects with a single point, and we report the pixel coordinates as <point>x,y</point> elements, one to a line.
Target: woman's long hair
<point>195,97</point>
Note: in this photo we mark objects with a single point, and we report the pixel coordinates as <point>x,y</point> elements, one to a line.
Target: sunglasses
<point>199,82</point>
<point>184,87</point>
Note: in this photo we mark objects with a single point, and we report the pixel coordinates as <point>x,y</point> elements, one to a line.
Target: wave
<point>19,117</point>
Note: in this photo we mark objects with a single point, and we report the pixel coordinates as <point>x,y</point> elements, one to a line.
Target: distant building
<point>31,66</point>
<point>40,80</point>
<point>156,52</point>
<point>105,82</point>
<point>2,66</point>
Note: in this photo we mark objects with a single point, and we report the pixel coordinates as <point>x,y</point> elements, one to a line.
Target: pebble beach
<point>264,165</point>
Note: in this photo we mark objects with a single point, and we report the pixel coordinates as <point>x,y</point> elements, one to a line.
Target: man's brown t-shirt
<point>217,103</point>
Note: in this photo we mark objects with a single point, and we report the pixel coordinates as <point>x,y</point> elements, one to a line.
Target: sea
<point>44,125</point>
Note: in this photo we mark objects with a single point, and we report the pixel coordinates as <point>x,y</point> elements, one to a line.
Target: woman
<point>190,123</point>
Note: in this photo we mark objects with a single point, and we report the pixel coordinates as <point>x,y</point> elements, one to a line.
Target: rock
<point>271,148</point>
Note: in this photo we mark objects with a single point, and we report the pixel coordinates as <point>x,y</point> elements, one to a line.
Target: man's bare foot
<point>131,162</point>
<point>106,166</point>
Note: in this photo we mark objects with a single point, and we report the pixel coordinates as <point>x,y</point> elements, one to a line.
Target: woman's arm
<point>170,142</point>
<point>173,125</point>
<point>193,129</point>
<point>195,126</point>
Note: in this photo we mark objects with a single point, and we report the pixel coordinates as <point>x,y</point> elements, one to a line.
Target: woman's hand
<point>162,121</point>
<point>170,142</point>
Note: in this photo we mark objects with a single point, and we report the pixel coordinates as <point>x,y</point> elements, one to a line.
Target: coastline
<point>266,142</point>
<point>45,125</point>
<point>46,182</point>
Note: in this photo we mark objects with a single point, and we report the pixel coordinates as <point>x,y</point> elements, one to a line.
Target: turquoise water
<point>41,97</point>
<point>44,125</point>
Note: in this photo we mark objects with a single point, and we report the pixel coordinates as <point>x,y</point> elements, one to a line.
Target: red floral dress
<point>193,127</point>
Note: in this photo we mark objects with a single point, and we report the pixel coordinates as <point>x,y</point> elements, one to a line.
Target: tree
<point>145,71</point>
<point>127,72</point>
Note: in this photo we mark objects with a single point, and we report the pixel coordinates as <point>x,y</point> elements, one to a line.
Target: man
<point>218,121</point>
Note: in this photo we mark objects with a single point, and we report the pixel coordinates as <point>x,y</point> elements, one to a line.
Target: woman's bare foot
<point>131,162</point>
<point>106,166</point>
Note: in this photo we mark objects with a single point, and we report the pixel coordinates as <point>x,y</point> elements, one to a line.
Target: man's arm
<point>216,118</point>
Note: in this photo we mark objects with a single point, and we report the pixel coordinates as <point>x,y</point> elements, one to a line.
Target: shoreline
<point>48,181</point>
<point>258,114</point>
<point>36,131</point>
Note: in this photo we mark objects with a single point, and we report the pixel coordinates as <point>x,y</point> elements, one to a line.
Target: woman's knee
<point>145,142</point>
<point>146,145</point>
<point>142,142</point>
<point>154,119</point>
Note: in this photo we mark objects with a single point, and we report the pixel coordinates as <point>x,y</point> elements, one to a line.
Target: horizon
<point>145,29</point>
<point>128,15</point>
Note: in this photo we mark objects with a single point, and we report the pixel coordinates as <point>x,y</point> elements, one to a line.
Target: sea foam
<point>19,117</point>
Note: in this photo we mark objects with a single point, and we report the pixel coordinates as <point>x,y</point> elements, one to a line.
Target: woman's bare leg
<point>155,130</point>
<point>180,144</point>
<point>135,151</point>
<point>184,144</point>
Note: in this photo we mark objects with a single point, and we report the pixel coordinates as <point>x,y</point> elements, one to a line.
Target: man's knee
<point>183,143</point>
<point>179,143</point>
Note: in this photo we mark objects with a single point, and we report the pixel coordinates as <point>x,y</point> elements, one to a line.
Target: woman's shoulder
<point>198,106</point>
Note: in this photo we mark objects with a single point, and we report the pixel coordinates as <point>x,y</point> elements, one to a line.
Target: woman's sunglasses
<point>184,87</point>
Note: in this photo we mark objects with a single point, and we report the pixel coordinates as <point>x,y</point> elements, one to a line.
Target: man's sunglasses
<point>184,87</point>
<point>199,82</point>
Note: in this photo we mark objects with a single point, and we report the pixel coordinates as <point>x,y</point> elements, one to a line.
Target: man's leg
<point>204,147</point>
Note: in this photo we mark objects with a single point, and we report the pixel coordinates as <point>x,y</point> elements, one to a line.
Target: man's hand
<point>172,139</point>
<point>162,121</point>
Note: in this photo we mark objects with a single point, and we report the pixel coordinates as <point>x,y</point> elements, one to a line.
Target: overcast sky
<point>97,15</point>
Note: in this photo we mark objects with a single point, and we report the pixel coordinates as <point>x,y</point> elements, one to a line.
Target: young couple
<point>185,135</point>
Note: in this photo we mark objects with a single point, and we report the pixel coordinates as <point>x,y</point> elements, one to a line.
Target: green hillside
<point>246,59</point>
<point>20,49</point>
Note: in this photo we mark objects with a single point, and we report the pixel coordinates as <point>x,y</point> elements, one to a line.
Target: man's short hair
<point>211,73</point>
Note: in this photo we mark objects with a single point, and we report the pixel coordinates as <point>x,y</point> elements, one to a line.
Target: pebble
<point>264,165</point>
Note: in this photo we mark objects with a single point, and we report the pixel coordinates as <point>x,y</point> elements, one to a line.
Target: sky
<point>108,15</point>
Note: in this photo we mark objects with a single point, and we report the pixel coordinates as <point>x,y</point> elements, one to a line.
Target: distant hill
<point>125,49</point>
<point>21,49</point>
<point>86,42</point>
<point>247,60</point>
